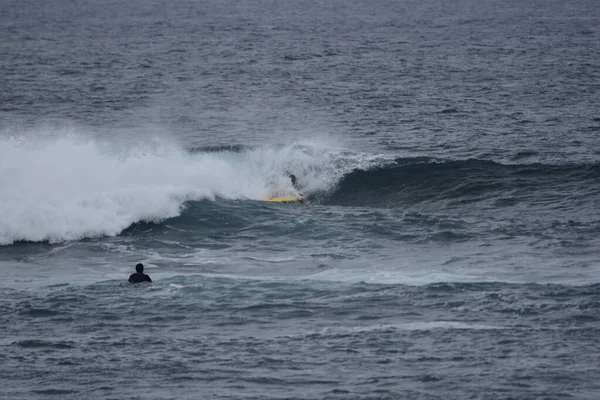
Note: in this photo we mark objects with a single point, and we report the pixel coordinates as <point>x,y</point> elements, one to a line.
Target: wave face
<point>447,184</point>
<point>68,188</point>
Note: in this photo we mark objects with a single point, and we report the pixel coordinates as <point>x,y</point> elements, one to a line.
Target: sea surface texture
<point>448,153</point>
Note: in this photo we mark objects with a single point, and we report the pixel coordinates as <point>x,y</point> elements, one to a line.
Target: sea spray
<point>70,187</point>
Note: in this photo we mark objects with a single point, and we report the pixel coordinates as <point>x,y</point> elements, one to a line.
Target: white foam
<point>388,276</point>
<point>66,187</point>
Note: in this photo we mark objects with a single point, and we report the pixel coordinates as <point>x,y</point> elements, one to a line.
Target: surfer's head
<point>139,268</point>
<point>293,178</point>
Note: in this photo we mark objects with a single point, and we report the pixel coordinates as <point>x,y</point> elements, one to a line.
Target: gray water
<point>447,247</point>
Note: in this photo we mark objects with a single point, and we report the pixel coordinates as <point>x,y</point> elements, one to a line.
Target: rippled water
<point>447,246</point>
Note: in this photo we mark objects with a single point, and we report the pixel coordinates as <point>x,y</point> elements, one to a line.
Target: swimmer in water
<point>139,275</point>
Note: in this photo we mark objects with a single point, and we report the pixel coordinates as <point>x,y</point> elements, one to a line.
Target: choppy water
<point>448,246</point>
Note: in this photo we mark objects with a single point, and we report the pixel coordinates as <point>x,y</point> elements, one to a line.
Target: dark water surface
<point>447,248</point>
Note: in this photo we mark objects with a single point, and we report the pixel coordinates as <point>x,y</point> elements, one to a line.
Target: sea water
<point>447,247</point>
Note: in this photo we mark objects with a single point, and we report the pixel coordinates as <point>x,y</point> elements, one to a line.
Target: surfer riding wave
<point>297,197</point>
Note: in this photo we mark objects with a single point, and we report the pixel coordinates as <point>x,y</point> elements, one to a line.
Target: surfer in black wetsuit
<point>294,182</point>
<point>139,275</point>
<point>296,186</point>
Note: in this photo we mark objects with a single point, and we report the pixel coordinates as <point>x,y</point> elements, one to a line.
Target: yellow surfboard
<point>285,199</point>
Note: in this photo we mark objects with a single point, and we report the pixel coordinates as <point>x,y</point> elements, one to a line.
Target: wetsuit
<point>139,278</point>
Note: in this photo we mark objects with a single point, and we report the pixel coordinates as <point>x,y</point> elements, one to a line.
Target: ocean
<point>447,151</point>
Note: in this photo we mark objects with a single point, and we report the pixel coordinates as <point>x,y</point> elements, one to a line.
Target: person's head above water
<point>139,275</point>
<point>293,178</point>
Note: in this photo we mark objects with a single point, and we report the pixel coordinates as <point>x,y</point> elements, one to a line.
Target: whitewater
<point>72,187</point>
